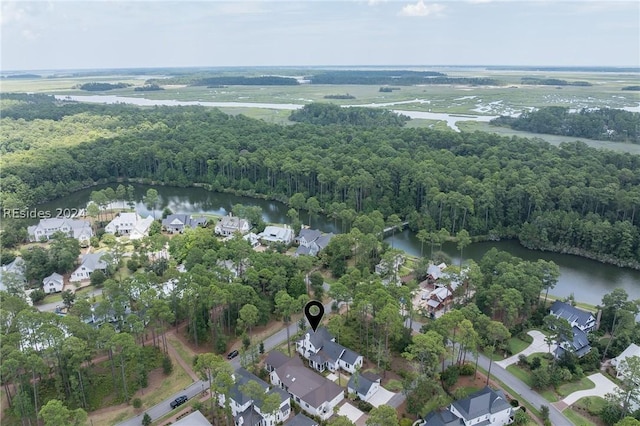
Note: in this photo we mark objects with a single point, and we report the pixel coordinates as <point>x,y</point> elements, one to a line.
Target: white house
<point>230,224</point>
<point>276,234</point>
<point>311,242</point>
<point>246,411</point>
<point>194,419</point>
<point>485,407</point>
<point>632,350</point>
<point>76,228</point>
<point>314,394</point>
<point>90,262</point>
<point>252,238</point>
<point>13,273</point>
<point>584,320</point>
<point>322,351</point>
<point>131,224</point>
<point>364,385</point>
<point>53,283</point>
<point>301,420</point>
<point>177,223</point>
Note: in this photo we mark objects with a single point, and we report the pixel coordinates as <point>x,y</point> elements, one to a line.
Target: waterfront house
<point>617,362</point>
<point>75,228</point>
<point>177,223</point>
<point>276,234</point>
<point>584,320</point>
<point>230,224</point>
<point>131,224</point>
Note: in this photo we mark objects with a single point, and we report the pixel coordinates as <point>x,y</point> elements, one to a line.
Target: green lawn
<point>577,419</point>
<point>593,404</point>
<point>517,345</point>
<point>393,385</point>
<point>569,388</point>
<point>521,374</point>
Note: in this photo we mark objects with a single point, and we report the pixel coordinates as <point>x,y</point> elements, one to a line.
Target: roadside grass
<point>593,404</point>
<point>51,298</point>
<point>183,351</point>
<point>576,418</point>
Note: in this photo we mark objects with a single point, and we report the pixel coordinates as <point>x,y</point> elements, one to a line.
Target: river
<point>587,279</point>
<point>451,119</point>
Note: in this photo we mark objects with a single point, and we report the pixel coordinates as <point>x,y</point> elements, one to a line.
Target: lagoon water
<point>588,280</point>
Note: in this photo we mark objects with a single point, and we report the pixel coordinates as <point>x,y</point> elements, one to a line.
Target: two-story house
<point>582,322</point>
<point>323,353</point>
<point>485,407</point>
<point>230,224</point>
<point>311,242</point>
<point>53,283</point>
<point>177,223</point>
<point>276,234</point>
<point>90,262</point>
<point>74,228</point>
<point>248,412</point>
<point>131,224</point>
<point>13,274</point>
<point>364,385</point>
<point>315,394</point>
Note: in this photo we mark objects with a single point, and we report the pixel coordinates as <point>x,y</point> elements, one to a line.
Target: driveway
<point>381,397</point>
<point>350,411</point>
<point>538,345</point>
<point>603,387</point>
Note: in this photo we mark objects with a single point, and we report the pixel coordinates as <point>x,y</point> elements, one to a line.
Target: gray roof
<point>442,418</point>
<point>247,415</point>
<point>349,356</point>
<point>571,313</point>
<point>183,220</point>
<point>307,385</point>
<point>303,250</point>
<point>242,377</point>
<point>309,234</point>
<point>301,420</point>
<point>365,382</point>
<point>323,241</point>
<point>319,337</point>
<point>194,419</point>
<point>332,350</point>
<point>579,344</point>
<point>276,359</point>
<point>93,261</point>
<point>485,401</point>
<point>55,277</point>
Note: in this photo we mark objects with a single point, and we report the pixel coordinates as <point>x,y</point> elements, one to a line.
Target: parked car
<point>179,401</point>
<point>232,354</point>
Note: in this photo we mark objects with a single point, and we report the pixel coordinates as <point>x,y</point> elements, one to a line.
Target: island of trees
<point>601,124</point>
<point>101,87</point>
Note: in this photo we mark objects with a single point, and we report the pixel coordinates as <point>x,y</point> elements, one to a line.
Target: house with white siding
<point>323,353</point>
<point>89,263</point>
<point>130,224</point>
<point>315,394</point>
<point>53,283</point>
<point>231,224</point>
<point>75,228</point>
<point>486,407</point>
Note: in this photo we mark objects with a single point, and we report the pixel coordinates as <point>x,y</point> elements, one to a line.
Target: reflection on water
<point>588,280</point>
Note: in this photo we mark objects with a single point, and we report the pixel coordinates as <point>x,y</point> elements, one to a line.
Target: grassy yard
<point>517,345</point>
<point>393,385</point>
<point>577,419</point>
<point>569,388</point>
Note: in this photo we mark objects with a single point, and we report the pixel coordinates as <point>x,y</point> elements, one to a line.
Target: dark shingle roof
<point>319,337</point>
<point>276,358</point>
<point>571,313</point>
<point>483,402</point>
<point>579,344</point>
<point>301,420</point>
<point>442,418</point>
<point>306,384</point>
<point>364,383</point>
<point>242,377</point>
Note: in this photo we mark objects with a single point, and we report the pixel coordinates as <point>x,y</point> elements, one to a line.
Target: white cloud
<point>29,35</point>
<point>421,9</point>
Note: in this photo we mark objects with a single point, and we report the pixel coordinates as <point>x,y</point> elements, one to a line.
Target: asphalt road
<point>275,340</point>
<point>50,307</point>
<point>163,408</point>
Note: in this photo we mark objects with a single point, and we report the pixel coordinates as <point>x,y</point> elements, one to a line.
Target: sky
<point>59,34</point>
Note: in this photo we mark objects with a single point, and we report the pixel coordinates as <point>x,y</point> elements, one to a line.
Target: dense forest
<point>101,87</point>
<point>602,124</point>
<point>567,198</point>
<point>324,114</point>
<point>553,82</point>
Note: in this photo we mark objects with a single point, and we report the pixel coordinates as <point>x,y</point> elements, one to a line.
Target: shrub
<point>405,422</point>
<point>137,403</point>
<point>535,363</point>
<point>514,403</point>
<point>364,406</point>
<point>146,420</point>
<point>467,370</point>
<point>37,295</point>
<point>450,376</point>
<point>523,361</point>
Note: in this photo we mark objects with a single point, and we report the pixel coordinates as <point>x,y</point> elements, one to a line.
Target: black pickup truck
<point>178,401</point>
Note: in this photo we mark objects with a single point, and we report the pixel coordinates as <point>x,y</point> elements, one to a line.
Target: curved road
<point>271,342</point>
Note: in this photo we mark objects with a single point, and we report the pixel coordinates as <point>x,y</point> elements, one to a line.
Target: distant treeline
<point>388,89</point>
<point>553,82</point>
<point>326,114</point>
<point>634,88</point>
<point>22,76</point>
<point>221,81</point>
<point>602,124</point>
<point>101,87</point>
<point>394,77</point>
<point>148,88</point>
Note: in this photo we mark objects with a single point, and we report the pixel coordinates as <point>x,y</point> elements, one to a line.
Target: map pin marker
<point>314,317</point>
